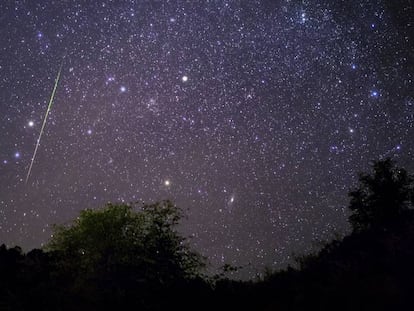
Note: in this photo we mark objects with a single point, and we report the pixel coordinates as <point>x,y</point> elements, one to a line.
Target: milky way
<point>253,116</point>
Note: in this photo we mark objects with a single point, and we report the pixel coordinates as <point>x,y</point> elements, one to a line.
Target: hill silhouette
<point>121,257</point>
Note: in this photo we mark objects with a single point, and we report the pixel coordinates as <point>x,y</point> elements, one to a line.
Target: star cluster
<point>253,116</point>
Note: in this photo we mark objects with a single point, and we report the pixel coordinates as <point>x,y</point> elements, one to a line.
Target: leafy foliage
<point>117,238</point>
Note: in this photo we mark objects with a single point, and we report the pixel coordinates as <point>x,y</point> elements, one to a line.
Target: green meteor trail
<point>44,121</point>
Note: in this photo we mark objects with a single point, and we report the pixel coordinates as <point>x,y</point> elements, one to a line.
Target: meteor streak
<point>44,121</point>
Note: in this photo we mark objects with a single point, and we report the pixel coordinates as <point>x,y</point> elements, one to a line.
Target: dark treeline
<point>123,256</point>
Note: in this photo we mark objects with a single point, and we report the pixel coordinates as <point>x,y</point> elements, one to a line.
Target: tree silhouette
<point>119,244</point>
<point>381,197</point>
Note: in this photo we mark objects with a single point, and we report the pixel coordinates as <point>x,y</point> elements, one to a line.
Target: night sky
<point>253,116</point>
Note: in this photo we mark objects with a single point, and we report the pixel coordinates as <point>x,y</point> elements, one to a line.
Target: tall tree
<point>381,197</point>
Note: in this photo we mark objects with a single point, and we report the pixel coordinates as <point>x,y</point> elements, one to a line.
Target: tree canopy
<point>120,237</point>
<point>381,197</point>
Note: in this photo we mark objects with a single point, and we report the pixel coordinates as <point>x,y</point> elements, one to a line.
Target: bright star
<point>122,89</point>
<point>303,17</point>
<point>17,155</point>
<point>167,182</point>
<point>374,94</point>
<point>89,132</point>
<point>184,78</point>
<point>30,123</point>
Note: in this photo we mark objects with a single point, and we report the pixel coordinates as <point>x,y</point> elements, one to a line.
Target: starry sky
<point>253,116</point>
